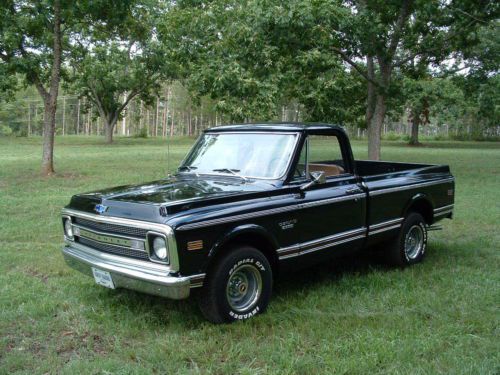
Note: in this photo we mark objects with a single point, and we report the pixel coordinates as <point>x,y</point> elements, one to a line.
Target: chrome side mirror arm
<point>316,178</point>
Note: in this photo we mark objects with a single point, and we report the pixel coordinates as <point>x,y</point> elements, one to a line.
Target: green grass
<point>353,316</point>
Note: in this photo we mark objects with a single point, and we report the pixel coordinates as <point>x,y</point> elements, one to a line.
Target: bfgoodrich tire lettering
<point>410,245</point>
<point>238,286</point>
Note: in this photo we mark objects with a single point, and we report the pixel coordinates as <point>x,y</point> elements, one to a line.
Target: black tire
<point>238,286</point>
<point>409,246</point>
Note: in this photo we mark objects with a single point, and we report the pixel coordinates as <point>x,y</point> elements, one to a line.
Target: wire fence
<point>173,114</point>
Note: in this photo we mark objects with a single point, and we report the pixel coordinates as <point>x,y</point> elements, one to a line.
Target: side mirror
<point>316,178</point>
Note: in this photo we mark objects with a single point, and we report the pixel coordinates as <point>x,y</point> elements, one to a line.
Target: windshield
<point>257,155</point>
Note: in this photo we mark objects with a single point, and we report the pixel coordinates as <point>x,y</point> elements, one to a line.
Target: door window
<point>325,155</point>
<point>320,154</point>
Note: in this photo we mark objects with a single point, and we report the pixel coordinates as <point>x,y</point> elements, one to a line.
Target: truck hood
<point>172,195</point>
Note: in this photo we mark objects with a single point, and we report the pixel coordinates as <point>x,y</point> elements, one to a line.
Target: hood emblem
<point>100,208</point>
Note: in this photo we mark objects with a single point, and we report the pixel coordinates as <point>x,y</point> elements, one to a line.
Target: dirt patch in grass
<point>71,343</point>
<point>11,345</point>
<point>36,274</point>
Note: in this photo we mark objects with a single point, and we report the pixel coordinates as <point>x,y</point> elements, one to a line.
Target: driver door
<point>331,215</point>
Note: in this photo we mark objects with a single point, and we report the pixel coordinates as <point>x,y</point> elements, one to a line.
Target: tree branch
<point>423,52</point>
<point>360,70</point>
<point>56,65</point>
<point>33,75</point>
<point>404,12</point>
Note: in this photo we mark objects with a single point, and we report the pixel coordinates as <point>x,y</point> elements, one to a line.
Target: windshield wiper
<point>187,168</point>
<point>230,171</point>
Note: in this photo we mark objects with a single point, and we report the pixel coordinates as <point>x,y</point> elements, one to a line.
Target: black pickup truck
<point>249,202</point>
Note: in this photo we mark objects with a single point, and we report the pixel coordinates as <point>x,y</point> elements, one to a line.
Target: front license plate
<point>103,278</point>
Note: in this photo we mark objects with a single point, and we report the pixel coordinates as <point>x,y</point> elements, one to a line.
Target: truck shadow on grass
<point>185,314</point>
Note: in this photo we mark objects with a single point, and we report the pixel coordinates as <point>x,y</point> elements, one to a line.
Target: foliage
<point>115,65</point>
<point>5,130</point>
<point>212,42</point>
<point>226,54</point>
<point>253,54</point>
<point>36,38</point>
<point>142,133</point>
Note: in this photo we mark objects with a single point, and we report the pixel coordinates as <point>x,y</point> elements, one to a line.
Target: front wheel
<point>410,245</point>
<point>237,287</point>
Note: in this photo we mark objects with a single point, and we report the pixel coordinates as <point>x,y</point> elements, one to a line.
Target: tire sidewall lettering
<point>424,230</point>
<point>238,316</point>
<point>253,261</point>
<point>262,269</point>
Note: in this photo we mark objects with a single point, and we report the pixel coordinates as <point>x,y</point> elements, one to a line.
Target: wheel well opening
<point>256,240</point>
<point>424,208</point>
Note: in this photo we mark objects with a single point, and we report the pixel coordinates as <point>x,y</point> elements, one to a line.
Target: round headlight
<point>68,228</point>
<point>160,248</point>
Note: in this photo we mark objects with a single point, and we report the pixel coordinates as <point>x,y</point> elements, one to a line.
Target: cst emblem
<point>289,224</point>
<point>100,208</point>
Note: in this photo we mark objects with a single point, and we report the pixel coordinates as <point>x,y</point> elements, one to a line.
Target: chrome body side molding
<point>409,187</point>
<point>272,211</point>
<point>385,226</point>
<point>443,210</point>
<point>321,243</point>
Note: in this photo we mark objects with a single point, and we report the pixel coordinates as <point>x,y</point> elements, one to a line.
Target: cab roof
<point>278,127</point>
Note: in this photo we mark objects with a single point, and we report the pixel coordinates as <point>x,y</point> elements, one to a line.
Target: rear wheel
<point>410,245</point>
<point>237,287</point>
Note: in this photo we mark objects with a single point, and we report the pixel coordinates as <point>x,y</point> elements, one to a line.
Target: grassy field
<point>354,316</point>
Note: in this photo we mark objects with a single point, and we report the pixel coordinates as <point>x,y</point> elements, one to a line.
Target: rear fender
<point>422,203</point>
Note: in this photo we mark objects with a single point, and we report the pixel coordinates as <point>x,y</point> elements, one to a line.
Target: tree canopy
<point>357,63</point>
<point>113,66</point>
<point>251,54</point>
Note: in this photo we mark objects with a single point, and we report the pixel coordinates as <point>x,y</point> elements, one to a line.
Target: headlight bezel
<point>65,221</point>
<point>153,257</point>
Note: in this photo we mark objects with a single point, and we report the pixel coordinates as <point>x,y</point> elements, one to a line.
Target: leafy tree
<point>214,45</point>
<point>385,35</point>
<point>254,45</point>
<point>31,43</point>
<point>114,66</point>
<point>35,38</point>
<point>481,81</point>
<point>226,56</point>
<point>424,96</point>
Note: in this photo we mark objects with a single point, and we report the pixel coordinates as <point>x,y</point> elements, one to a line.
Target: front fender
<point>240,231</point>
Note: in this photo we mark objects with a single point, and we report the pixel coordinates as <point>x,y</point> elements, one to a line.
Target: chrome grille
<point>113,249</point>
<point>110,228</point>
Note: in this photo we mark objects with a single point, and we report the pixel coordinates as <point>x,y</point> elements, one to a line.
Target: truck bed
<point>367,168</point>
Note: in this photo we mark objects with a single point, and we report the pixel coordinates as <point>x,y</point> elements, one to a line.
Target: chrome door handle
<point>353,191</point>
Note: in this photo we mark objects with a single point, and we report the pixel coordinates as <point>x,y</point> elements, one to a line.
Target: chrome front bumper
<point>127,273</point>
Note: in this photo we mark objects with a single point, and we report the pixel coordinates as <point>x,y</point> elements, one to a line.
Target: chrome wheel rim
<point>244,288</point>
<point>414,242</point>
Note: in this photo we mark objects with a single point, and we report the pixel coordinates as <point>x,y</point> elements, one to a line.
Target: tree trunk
<point>109,125</point>
<point>370,99</point>
<point>29,119</point>
<point>124,119</point>
<point>157,116</point>
<point>414,129</point>
<point>50,97</point>
<point>172,124</point>
<point>77,130</point>
<point>375,127</point>
<point>49,127</point>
